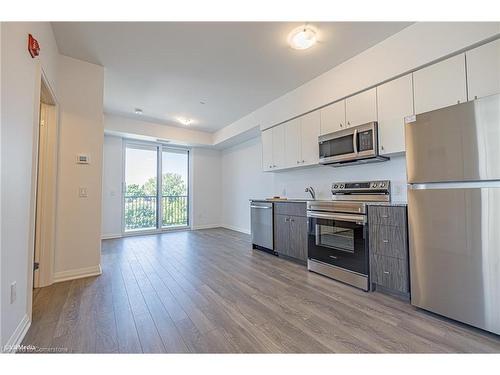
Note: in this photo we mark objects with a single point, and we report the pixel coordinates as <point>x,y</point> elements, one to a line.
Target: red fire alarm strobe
<point>33,46</point>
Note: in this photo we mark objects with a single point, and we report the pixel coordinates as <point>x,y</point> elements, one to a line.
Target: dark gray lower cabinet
<point>290,236</point>
<point>281,234</point>
<point>388,244</point>
<point>298,237</point>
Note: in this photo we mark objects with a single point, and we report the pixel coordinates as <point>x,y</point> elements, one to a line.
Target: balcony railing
<point>140,211</point>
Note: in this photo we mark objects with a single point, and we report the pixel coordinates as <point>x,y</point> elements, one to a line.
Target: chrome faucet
<point>310,190</point>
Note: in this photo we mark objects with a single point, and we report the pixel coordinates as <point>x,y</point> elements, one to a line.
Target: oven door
<point>338,239</point>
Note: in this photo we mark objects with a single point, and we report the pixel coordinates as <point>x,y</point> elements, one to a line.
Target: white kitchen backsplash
<point>292,183</point>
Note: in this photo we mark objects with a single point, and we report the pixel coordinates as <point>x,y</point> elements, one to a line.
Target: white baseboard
<point>78,273</point>
<point>205,226</point>
<point>237,229</point>
<point>17,337</point>
<point>111,236</point>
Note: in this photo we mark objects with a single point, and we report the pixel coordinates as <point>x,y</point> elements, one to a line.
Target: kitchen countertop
<point>290,200</point>
<point>304,200</point>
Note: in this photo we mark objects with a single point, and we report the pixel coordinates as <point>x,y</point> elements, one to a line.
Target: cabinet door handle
<point>287,220</point>
<point>292,220</point>
<point>386,272</point>
<point>385,241</point>
<point>384,216</point>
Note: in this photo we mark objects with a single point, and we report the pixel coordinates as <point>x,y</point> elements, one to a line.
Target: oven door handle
<point>359,219</point>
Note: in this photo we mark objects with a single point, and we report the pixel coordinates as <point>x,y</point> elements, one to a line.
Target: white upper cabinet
<point>310,129</point>
<point>279,146</point>
<point>273,148</point>
<point>293,143</point>
<point>440,85</point>
<point>483,70</point>
<point>394,103</point>
<point>267,149</point>
<point>332,117</point>
<point>361,108</point>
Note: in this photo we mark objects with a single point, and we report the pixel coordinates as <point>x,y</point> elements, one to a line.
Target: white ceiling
<point>167,68</point>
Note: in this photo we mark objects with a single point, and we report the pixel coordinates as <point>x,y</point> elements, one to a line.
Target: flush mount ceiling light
<point>138,111</point>
<point>185,121</point>
<point>302,37</point>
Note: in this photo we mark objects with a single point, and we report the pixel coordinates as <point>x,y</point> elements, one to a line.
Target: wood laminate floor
<point>207,291</point>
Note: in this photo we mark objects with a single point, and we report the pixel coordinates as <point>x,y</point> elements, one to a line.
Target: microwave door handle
<point>355,141</point>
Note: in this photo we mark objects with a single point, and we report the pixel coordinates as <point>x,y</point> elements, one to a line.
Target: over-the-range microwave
<point>354,145</point>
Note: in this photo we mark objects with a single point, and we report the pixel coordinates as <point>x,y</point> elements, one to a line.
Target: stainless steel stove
<point>338,232</point>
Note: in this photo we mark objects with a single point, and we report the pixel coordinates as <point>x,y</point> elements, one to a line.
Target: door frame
<point>47,257</point>
<point>159,148</point>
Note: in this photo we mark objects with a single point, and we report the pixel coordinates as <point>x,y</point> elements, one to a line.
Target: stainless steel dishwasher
<point>262,225</point>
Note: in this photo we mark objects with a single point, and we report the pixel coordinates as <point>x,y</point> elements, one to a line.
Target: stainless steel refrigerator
<point>453,168</point>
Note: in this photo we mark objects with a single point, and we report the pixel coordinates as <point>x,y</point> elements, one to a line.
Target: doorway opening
<point>46,185</point>
<point>156,188</point>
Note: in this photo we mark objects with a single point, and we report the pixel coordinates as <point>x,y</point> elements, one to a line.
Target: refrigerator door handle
<point>455,185</point>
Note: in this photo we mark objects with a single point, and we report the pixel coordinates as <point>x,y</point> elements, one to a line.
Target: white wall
<point>205,187</point>
<point>112,178</point>
<point>78,225</point>
<point>243,179</point>
<point>19,103</point>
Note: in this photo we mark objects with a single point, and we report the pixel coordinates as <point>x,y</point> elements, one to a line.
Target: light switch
<point>82,192</point>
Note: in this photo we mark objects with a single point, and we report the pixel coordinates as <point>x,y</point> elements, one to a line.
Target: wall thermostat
<point>82,159</point>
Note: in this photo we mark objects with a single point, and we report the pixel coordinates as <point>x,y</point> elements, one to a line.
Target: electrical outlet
<point>13,292</point>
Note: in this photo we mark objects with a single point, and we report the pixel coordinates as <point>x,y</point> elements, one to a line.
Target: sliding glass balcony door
<point>174,199</point>
<point>156,185</point>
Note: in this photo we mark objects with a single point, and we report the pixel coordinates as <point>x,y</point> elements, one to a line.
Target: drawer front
<point>389,272</point>
<point>388,240</point>
<point>387,215</point>
<point>290,208</point>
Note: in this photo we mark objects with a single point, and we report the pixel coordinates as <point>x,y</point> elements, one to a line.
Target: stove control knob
<point>382,184</point>
<point>335,186</point>
<point>341,186</point>
<point>374,185</point>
